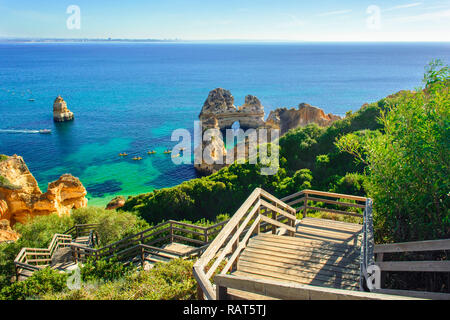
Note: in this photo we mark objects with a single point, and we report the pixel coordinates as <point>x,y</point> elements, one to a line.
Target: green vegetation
<point>308,159</point>
<point>45,280</point>
<point>165,281</point>
<point>408,173</point>
<point>105,270</point>
<point>38,232</point>
<point>3,157</point>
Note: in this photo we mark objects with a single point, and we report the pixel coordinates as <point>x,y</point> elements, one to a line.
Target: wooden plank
<point>307,260</point>
<point>429,245</point>
<point>415,266</point>
<point>326,249</point>
<point>315,269</point>
<point>292,196</point>
<point>281,203</point>
<point>337,265</point>
<point>241,246</point>
<point>335,211</point>
<point>335,195</point>
<point>175,236</point>
<point>188,231</point>
<point>293,291</point>
<point>269,206</point>
<point>211,251</point>
<point>277,223</point>
<point>326,231</point>
<point>334,223</point>
<point>232,241</point>
<point>416,294</point>
<point>345,204</point>
<point>203,282</point>
<point>304,278</point>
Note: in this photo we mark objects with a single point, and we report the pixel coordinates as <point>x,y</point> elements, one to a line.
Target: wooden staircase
<point>322,253</point>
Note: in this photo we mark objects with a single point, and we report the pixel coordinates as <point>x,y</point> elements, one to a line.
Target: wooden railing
<point>150,241</point>
<point>333,202</point>
<point>80,230</point>
<point>260,207</point>
<point>413,266</point>
<point>32,259</point>
<point>307,201</point>
<point>138,245</point>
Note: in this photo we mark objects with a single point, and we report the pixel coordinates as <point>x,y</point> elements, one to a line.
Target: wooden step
<point>332,224</point>
<point>336,280</point>
<point>258,273</point>
<point>348,258</point>
<point>334,265</point>
<point>303,268</point>
<point>304,245</point>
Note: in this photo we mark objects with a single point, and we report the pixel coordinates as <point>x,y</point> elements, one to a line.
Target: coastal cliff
<point>220,105</point>
<point>21,198</point>
<point>219,112</point>
<point>287,119</point>
<point>60,111</point>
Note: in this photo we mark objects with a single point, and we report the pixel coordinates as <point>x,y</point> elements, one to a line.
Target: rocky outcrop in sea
<point>60,111</point>
<point>219,112</point>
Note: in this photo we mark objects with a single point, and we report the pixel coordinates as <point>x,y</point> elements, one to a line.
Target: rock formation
<point>6,233</point>
<point>286,119</point>
<point>21,198</point>
<point>212,152</point>
<point>220,105</point>
<point>219,112</point>
<point>60,111</point>
<point>117,202</point>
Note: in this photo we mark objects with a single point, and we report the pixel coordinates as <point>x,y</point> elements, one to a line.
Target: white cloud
<point>404,6</point>
<point>333,13</point>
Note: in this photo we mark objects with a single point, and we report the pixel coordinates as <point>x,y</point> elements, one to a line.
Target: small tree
<point>408,165</point>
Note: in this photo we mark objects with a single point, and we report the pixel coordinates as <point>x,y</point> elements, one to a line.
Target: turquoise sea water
<point>129,97</point>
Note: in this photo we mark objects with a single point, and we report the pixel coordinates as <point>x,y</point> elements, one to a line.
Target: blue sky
<point>292,20</point>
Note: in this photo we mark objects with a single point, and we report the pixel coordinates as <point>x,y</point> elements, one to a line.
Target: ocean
<point>129,97</point>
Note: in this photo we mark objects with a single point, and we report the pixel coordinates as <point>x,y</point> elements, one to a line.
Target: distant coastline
<point>63,40</point>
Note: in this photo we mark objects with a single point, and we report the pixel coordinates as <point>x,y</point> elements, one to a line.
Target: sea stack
<point>60,111</point>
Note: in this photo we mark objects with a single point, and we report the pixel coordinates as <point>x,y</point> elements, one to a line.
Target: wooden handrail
<point>255,208</point>
<point>305,197</point>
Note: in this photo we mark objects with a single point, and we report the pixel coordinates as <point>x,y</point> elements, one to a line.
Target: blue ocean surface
<point>129,97</point>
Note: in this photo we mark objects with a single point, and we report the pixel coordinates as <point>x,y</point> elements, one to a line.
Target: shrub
<point>104,270</point>
<point>41,282</point>
<point>165,281</point>
<point>408,166</point>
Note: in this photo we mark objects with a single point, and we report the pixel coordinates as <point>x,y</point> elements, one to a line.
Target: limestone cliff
<point>219,112</point>
<point>220,105</point>
<point>60,111</point>
<point>21,198</point>
<point>6,233</point>
<point>286,119</point>
<point>117,202</point>
<point>212,152</point>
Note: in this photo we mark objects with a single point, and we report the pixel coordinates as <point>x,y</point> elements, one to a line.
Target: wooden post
<point>234,248</point>
<point>274,217</point>
<point>142,251</point>
<point>199,293</point>
<point>171,232</point>
<point>258,228</point>
<point>221,293</point>
<point>206,236</point>
<point>380,257</point>
<point>306,205</point>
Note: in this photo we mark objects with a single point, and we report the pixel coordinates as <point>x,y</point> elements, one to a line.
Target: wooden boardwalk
<point>322,253</point>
